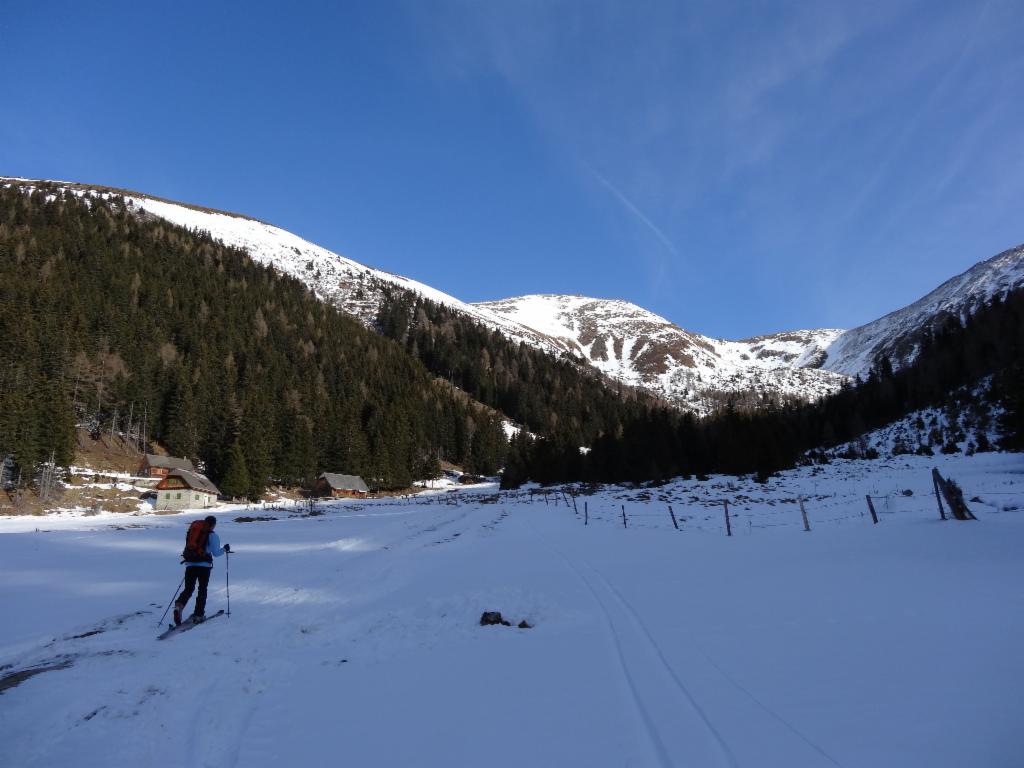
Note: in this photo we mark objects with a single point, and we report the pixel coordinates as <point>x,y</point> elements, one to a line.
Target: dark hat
<point>211,520</point>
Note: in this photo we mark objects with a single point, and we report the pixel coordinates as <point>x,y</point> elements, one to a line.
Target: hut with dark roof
<point>336,486</point>
<point>159,466</point>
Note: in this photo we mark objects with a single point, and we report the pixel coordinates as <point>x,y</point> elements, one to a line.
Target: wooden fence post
<point>803,513</point>
<point>938,493</point>
<point>673,517</point>
<point>728,526</point>
<point>871,509</point>
<point>623,515</point>
<point>586,514</point>
<point>574,509</point>
<point>954,497</point>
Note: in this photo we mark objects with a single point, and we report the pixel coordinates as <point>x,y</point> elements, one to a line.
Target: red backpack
<point>195,543</point>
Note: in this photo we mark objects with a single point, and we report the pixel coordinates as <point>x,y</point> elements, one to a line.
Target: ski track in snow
<point>633,665</point>
<point>721,754</point>
<point>772,713</point>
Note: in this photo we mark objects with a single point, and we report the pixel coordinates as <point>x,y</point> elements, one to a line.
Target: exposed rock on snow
<point>492,618</point>
<point>639,348</point>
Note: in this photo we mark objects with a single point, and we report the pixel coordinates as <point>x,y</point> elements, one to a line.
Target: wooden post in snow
<point>586,514</point>
<point>728,526</point>
<point>574,508</point>
<point>871,509</point>
<point>623,515</point>
<point>938,493</point>
<point>673,517</point>
<point>803,513</point>
<point>954,497</point>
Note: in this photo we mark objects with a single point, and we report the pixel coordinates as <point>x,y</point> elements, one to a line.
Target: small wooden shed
<point>182,489</point>
<point>159,466</point>
<point>337,486</point>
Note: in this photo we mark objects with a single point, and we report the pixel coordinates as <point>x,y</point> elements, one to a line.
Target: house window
<point>197,497</point>
<point>177,495</point>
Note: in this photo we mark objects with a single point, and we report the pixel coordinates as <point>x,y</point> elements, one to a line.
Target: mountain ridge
<point>621,340</point>
<point>896,334</point>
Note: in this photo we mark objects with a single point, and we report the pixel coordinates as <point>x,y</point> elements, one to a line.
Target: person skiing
<point>202,544</point>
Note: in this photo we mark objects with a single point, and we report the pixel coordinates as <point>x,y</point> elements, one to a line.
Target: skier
<point>201,546</point>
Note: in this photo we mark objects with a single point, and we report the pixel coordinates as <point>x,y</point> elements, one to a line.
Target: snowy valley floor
<point>354,636</point>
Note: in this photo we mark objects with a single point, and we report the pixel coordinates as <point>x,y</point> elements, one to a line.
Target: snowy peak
<point>641,348</point>
<point>638,347</point>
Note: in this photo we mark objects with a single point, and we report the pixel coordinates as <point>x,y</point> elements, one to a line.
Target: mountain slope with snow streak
<point>352,287</point>
<point>638,347</point>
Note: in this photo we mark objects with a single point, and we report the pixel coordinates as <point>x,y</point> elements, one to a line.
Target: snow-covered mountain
<point>621,340</point>
<point>635,346</point>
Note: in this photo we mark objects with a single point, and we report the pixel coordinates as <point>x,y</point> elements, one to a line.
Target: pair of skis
<point>185,626</point>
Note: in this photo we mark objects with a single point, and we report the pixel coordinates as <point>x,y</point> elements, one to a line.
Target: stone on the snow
<point>488,618</point>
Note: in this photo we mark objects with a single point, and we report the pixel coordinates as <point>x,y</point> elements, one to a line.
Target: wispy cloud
<point>630,206</point>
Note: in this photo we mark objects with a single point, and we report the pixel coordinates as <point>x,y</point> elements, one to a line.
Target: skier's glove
<point>227,547</point>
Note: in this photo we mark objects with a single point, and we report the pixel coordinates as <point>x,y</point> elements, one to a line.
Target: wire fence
<point>738,513</point>
<point>722,510</point>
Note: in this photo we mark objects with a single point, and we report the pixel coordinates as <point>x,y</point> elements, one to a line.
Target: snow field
<point>354,638</point>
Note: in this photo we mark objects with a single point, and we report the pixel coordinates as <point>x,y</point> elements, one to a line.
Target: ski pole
<point>176,590</point>
<point>227,579</point>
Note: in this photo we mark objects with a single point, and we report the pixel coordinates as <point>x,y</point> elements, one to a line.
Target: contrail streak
<point>635,211</point>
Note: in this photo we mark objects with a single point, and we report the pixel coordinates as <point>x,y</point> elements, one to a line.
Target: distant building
<point>182,489</point>
<point>339,486</point>
<point>159,466</point>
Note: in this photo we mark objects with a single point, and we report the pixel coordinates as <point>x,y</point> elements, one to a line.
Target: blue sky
<point>738,167</point>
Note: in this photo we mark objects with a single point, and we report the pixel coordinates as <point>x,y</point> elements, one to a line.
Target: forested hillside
<point>548,395</point>
<point>104,312</point>
<point>950,363</point>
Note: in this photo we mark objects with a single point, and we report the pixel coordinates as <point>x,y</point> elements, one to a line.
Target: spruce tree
<point>236,482</point>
